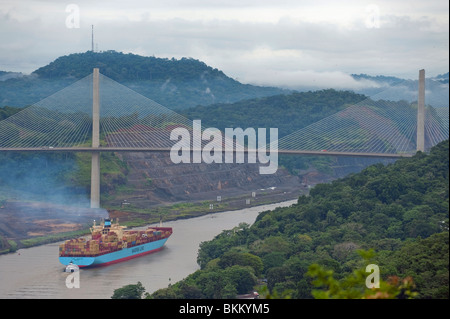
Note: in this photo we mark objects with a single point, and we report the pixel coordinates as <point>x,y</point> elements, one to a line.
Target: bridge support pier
<point>95,166</point>
<point>95,180</point>
<point>421,113</point>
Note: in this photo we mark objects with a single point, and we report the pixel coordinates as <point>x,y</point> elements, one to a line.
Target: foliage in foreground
<point>132,291</point>
<point>357,284</point>
<point>400,211</point>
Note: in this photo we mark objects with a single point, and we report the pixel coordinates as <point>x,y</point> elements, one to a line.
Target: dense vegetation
<point>275,111</point>
<point>123,67</point>
<point>279,111</point>
<point>7,111</point>
<point>399,210</point>
<point>291,113</point>
<point>174,83</point>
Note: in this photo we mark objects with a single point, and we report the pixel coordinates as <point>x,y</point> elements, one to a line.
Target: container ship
<point>111,243</point>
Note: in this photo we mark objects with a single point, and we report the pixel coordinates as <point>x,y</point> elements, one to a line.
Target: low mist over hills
<point>396,89</point>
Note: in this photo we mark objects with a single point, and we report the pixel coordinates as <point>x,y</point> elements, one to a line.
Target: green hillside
<point>287,112</point>
<point>290,113</point>
<point>124,67</point>
<point>400,211</point>
<point>174,83</point>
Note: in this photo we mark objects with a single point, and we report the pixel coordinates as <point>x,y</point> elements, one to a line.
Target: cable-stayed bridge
<point>97,114</point>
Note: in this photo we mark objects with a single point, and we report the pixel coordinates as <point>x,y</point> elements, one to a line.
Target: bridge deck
<point>143,149</point>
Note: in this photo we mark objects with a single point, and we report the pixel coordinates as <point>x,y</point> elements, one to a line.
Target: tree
<point>232,258</point>
<point>354,285</point>
<point>240,277</point>
<point>229,291</point>
<point>187,291</point>
<point>164,293</point>
<point>129,292</point>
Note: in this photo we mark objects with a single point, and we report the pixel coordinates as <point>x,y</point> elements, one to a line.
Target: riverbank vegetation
<point>399,212</point>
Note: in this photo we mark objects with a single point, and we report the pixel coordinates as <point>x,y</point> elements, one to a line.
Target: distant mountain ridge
<point>378,78</point>
<point>6,75</point>
<point>443,78</point>
<point>396,89</point>
<point>184,83</point>
<point>176,84</point>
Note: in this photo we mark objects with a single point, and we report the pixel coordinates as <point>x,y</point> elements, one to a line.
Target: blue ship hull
<point>115,257</point>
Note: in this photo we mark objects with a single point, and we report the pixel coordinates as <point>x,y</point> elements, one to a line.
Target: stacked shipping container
<point>107,239</point>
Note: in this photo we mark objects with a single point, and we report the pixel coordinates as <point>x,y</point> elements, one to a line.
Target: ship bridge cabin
<point>108,228</point>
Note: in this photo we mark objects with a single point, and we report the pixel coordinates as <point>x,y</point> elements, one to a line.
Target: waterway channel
<point>36,272</point>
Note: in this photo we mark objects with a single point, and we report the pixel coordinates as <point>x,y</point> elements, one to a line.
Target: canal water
<point>36,272</point>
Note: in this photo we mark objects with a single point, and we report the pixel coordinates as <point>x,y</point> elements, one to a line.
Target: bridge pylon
<point>95,166</point>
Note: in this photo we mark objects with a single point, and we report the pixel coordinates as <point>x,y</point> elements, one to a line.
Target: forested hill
<point>401,211</point>
<point>289,113</point>
<point>174,83</point>
<point>276,111</point>
<point>124,67</point>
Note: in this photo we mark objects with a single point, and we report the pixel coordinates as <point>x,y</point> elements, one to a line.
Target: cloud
<point>307,79</point>
<point>273,42</point>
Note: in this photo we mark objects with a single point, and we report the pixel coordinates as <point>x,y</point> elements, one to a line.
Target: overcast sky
<point>266,42</point>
